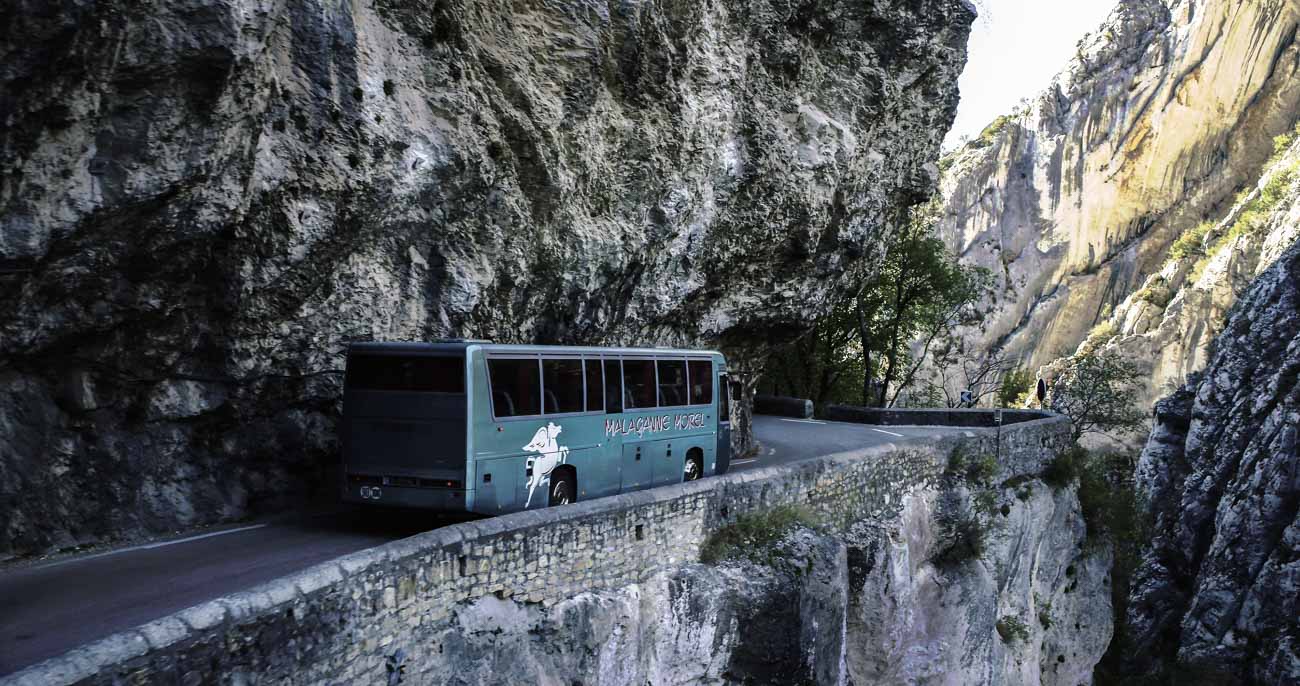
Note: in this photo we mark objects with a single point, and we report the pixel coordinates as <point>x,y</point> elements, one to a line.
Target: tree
<point>954,369</point>
<point>825,365</point>
<point>1016,385</point>
<point>861,350</point>
<point>1098,392</point>
<point>918,294</point>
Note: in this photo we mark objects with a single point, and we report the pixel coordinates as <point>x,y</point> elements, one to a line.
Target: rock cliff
<point>868,607</point>
<point>1168,326</point>
<point>1168,111</point>
<point>201,201</point>
<point>1217,592</point>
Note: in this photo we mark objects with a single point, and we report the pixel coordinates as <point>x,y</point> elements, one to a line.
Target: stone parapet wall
<point>379,611</point>
<point>888,416</point>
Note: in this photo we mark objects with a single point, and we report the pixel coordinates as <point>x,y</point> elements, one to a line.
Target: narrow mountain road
<point>51,607</point>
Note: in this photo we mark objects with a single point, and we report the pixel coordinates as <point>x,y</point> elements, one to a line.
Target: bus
<point>470,426</point>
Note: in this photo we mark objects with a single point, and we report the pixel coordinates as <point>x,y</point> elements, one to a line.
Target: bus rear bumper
<point>445,499</point>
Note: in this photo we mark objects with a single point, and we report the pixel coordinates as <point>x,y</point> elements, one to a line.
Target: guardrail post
<point>997,449</point>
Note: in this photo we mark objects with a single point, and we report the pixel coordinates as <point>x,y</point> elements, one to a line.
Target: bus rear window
<point>421,374</point>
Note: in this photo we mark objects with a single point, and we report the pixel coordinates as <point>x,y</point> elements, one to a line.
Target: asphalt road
<point>49,608</point>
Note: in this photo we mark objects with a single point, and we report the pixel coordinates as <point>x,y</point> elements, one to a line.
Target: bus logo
<point>550,455</point>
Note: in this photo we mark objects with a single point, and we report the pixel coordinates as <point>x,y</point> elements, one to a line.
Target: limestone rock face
<point>913,622</point>
<point>754,624</point>
<point>1218,591</point>
<point>202,201</point>
<point>1073,201</point>
<point>863,607</point>
<point>1169,326</point>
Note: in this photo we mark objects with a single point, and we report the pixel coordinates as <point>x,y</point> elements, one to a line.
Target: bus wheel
<point>562,489</point>
<point>694,467</point>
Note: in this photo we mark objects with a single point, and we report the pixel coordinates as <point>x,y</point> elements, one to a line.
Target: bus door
<point>724,425</point>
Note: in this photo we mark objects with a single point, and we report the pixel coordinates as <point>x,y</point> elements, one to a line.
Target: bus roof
<point>462,346</point>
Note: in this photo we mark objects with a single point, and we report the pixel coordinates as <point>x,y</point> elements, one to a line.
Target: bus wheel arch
<point>563,488</point>
<point>693,467</point>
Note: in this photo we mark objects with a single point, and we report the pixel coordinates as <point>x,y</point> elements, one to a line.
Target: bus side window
<point>516,387</point>
<point>561,386</point>
<point>701,374</point>
<point>595,388</point>
<point>613,387</point>
<point>672,383</point>
<point>639,383</point>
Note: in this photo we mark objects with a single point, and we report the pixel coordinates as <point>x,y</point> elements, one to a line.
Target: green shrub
<point>1045,616</point>
<point>752,536</point>
<point>959,534</point>
<point>1191,243</point>
<point>1065,468</point>
<point>994,128</point>
<point>1012,629</point>
<point>1158,293</point>
<point>973,469</point>
<point>1283,143</point>
<point>1015,385</point>
<point>1253,217</point>
<point>961,538</point>
<point>1103,331</point>
<point>1107,499</point>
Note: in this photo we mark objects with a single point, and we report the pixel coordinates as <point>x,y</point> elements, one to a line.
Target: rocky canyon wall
<point>1169,326</point>
<point>1168,111</point>
<point>705,582</point>
<point>1216,594</point>
<point>202,201</point>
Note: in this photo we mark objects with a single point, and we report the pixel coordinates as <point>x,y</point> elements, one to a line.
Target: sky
<point>1016,47</point>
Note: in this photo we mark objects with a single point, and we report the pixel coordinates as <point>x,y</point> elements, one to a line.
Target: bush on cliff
<point>753,536</point>
<point>959,533</point>
<point>1012,629</point>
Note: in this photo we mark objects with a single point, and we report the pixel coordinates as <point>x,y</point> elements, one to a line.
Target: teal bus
<point>473,426</point>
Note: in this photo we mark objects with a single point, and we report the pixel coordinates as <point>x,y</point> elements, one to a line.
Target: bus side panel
<point>499,485</point>
<point>668,455</point>
<point>637,466</point>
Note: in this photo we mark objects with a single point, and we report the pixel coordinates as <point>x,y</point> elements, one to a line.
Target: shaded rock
<point>1218,591</point>
<point>211,190</point>
<point>912,621</point>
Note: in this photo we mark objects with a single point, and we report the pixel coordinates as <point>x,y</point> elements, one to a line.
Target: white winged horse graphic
<point>550,455</point>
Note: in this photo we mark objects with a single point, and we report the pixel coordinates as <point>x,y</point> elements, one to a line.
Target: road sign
<point>967,399</point>
<point>1042,392</point>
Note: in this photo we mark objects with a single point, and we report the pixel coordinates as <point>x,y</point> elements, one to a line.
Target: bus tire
<point>563,489</point>
<point>693,469</point>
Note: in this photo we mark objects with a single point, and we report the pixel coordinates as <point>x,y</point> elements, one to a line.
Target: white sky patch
<point>1016,47</point>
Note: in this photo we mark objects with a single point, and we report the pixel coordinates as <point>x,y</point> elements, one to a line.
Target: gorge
<point>1072,202</point>
<point>202,202</point>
